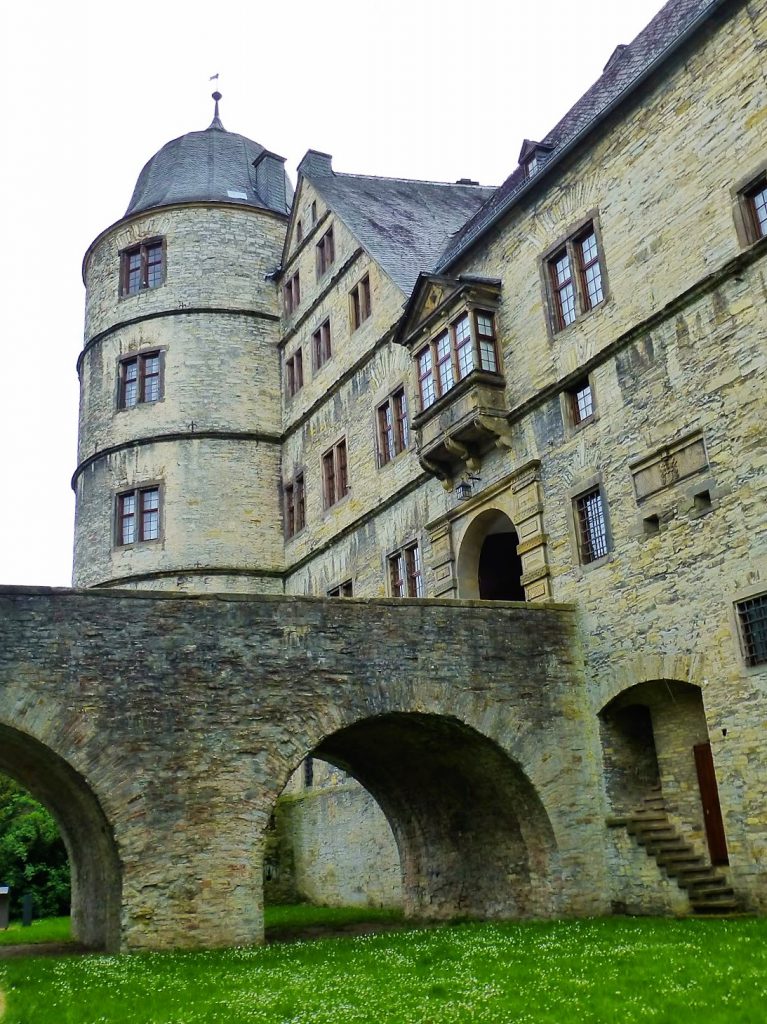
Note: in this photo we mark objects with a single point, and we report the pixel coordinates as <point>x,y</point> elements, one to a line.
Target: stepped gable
<point>625,69</point>
<point>213,166</point>
<point>402,223</point>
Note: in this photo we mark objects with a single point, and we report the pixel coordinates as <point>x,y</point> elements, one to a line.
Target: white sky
<point>411,88</point>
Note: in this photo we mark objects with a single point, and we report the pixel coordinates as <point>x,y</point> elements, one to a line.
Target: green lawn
<point>304,915</point>
<point>609,970</point>
<point>50,929</point>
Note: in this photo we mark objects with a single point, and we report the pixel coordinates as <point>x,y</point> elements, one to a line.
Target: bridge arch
<point>87,835</point>
<point>472,833</point>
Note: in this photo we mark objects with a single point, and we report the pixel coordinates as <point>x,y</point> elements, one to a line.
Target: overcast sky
<point>410,88</point>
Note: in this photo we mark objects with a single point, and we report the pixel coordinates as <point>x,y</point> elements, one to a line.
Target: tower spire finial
<point>216,122</point>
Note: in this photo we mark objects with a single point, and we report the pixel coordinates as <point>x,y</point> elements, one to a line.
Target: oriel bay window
<point>140,379</point>
<point>138,515</point>
<point>469,343</point>
<point>142,266</point>
<point>393,429</point>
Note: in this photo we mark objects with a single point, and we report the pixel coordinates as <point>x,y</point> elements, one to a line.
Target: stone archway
<point>472,833</point>
<point>489,567</point>
<point>93,860</point>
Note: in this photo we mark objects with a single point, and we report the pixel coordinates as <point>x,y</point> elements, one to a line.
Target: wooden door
<point>709,798</point>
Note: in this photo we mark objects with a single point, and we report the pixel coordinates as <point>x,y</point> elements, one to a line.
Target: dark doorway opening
<point>500,568</point>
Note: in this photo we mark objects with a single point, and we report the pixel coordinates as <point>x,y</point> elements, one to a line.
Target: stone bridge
<point>160,729</point>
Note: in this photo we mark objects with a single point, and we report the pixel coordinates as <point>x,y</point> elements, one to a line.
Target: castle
<point>551,392</point>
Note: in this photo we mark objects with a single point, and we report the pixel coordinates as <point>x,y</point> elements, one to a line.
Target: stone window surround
<point>137,491</point>
<point>567,399</point>
<point>325,253</point>
<point>360,303</point>
<point>291,293</point>
<point>383,458</point>
<point>141,247</point>
<point>407,560</point>
<point>742,206</point>
<point>585,486</point>
<point>344,589</point>
<point>322,347</point>
<point>334,463</point>
<point>139,356</point>
<point>294,372</point>
<point>292,489</point>
<point>756,589</point>
<point>566,241</point>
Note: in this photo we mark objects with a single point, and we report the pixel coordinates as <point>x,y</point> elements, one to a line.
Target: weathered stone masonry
<point>167,727</point>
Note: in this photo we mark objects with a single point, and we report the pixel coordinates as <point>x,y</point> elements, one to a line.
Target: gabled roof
<point>624,71</point>
<point>403,224</point>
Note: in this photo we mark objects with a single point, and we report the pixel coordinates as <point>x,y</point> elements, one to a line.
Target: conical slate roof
<point>212,166</point>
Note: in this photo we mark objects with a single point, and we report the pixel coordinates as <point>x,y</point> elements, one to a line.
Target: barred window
<point>591,526</point>
<point>752,619</point>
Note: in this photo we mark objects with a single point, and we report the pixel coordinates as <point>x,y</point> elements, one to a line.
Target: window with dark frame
<point>581,401</point>
<point>295,506</point>
<point>469,343</point>
<point>299,232</point>
<point>321,350</point>
<point>326,252</point>
<point>591,525</point>
<point>344,589</point>
<point>138,515</point>
<point>393,428</point>
<point>756,207</point>
<point>140,380</point>
<point>291,293</point>
<point>360,302</point>
<point>335,477</point>
<point>574,275</point>
<point>405,572</point>
<point>294,372</point>
<point>142,267</point>
<point>314,211</point>
<point>752,619</point>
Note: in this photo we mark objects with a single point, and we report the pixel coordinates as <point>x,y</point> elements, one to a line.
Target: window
<point>295,506</point>
<point>299,232</point>
<point>291,293</point>
<point>581,400</point>
<point>405,575</point>
<point>326,252</point>
<point>575,278</point>
<point>138,515</point>
<point>142,266</point>
<point>342,590</point>
<point>752,619</point>
<point>309,773</point>
<point>294,372</point>
<point>469,343</point>
<point>335,479</point>
<point>321,345</point>
<point>755,199</point>
<point>140,380</point>
<point>591,526</point>
<point>314,212</point>
<point>360,302</point>
<point>393,430</point>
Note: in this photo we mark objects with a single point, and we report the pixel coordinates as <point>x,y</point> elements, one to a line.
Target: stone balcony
<point>462,425</point>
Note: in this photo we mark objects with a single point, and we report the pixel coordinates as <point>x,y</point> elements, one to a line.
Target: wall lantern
<point>465,488</point>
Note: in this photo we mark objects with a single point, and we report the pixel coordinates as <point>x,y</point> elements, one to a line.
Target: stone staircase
<point>706,886</point>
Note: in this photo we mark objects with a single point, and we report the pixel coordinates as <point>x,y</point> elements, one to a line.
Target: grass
<point>50,929</point>
<point>305,915</point>
<point>576,972</point>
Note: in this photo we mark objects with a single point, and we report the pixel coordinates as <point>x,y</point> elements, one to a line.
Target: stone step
<point>713,906</point>
<point>679,857</point>
<point>715,891</point>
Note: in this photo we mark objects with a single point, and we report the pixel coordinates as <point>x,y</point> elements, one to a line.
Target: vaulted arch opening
<point>489,567</point>
<point>472,834</point>
<point>87,836</point>
<point>656,748</point>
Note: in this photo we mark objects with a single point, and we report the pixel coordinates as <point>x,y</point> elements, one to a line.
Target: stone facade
<point>605,449</point>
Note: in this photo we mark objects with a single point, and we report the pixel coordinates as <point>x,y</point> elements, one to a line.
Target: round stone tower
<point>177,482</point>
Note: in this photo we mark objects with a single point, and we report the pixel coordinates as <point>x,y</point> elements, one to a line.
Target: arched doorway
<point>87,836</point>
<point>472,834</point>
<point>489,567</point>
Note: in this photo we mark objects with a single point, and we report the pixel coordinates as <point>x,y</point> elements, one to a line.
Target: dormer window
<point>532,157</point>
<point>531,166</point>
<point>467,344</point>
